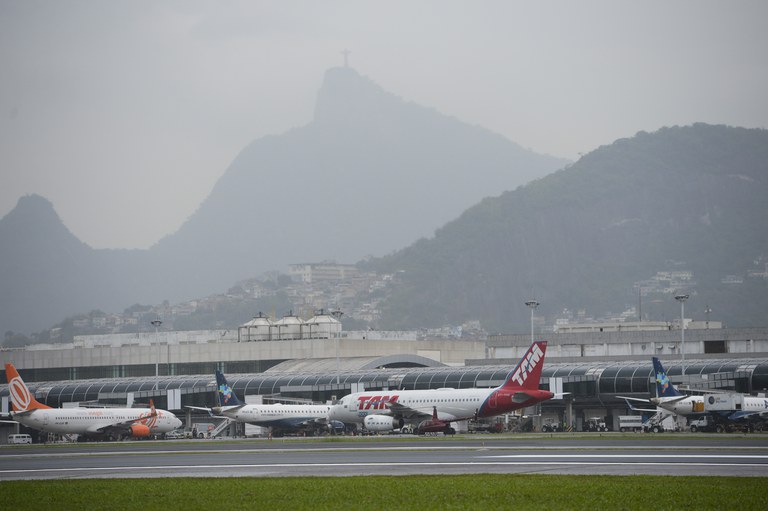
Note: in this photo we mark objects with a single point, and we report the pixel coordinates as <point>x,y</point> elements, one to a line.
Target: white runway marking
<point>152,468</point>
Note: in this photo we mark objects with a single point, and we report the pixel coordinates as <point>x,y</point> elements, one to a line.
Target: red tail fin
<point>22,399</point>
<point>528,371</point>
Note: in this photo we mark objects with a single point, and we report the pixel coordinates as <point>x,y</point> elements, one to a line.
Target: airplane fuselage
<point>451,404</point>
<point>278,415</point>
<point>92,421</point>
<point>691,405</point>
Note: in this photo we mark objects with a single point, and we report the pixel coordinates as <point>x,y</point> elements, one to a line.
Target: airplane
<point>101,422</point>
<point>668,398</point>
<point>389,409</point>
<point>278,417</point>
<point>724,407</point>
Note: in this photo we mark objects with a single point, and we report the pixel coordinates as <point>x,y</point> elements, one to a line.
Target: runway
<point>681,455</point>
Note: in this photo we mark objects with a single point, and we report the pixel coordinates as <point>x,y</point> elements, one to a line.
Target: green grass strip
<point>486,492</point>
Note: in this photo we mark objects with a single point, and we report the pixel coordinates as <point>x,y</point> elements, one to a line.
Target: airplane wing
<point>408,413</point>
<point>631,407</point>
<point>741,415</point>
<point>639,399</point>
<point>120,427</point>
<point>201,409</point>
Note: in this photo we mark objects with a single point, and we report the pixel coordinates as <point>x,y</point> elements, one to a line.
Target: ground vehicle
<point>176,433</point>
<point>19,439</point>
<point>595,424</point>
<point>550,426</point>
<point>703,423</point>
<point>630,423</point>
<point>202,429</point>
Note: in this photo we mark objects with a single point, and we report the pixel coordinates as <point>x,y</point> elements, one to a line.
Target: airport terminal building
<point>294,361</point>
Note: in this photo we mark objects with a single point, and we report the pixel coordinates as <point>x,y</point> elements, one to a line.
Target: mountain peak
<point>346,96</point>
<point>33,210</point>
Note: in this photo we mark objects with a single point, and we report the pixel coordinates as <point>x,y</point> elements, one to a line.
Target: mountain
<point>371,173</point>
<point>46,273</point>
<point>682,199</point>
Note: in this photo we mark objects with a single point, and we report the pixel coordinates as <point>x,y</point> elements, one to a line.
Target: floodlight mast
<point>532,304</point>
<point>156,323</point>
<point>682,298</point>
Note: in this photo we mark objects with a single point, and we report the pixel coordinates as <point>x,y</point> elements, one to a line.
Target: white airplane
<point>278,417</point>
<point>104,422</point>
<point>724,407</point>
<point>388,410</point>
<point>668,398</point>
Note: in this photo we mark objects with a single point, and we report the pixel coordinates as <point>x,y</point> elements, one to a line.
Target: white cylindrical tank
<point>257,329</point>
<point>287,328</point>
<point>321,326</point>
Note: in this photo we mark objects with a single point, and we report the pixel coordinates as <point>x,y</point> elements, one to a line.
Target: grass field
<point>487,492</point>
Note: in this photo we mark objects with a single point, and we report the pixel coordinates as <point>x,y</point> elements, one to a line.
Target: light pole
<point>682,298</point>
<point>156,323</point>
<point>532,304</point>
<point>337,314</point>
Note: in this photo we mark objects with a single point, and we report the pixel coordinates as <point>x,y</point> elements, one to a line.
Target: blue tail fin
<point>664,387</point>
<point>224,393</point>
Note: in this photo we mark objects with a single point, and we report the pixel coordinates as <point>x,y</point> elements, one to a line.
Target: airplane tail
<point>224,393</point>
<point>664,387</point>
<point>22,399</point>
<point>152,411</point>
<point>528,371</point>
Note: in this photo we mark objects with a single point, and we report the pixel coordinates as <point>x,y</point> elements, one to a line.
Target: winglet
<point>224,393</point>
<point>527,373</point>
<point>664,387</point>
<point>22,400</point>
<point>152,411</point>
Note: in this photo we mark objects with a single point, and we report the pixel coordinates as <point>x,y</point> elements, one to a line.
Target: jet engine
<point>139,430</point>
<point>382,423</point>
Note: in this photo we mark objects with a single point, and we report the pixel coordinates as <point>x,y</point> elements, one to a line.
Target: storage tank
<point>321,326</point>
<point>257,329</point>
<point>287,328</point>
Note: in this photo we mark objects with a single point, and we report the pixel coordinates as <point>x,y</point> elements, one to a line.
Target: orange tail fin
<point>22,399</point>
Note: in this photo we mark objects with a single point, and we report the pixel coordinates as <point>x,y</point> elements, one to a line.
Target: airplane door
<point>45,419</point>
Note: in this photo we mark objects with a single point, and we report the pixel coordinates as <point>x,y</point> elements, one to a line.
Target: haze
<point>125,113</point>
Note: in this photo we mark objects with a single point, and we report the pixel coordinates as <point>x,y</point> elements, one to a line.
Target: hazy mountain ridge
<point>690,197</point>
<point>371,174</point>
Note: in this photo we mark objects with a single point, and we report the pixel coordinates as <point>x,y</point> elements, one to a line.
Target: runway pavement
<point>689,455</point>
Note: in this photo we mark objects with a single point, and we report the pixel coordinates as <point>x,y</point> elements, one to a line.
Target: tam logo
<point>527,365</point>
<point>375,402</point>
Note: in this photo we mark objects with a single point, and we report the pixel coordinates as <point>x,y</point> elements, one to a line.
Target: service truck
<point>630,423</point>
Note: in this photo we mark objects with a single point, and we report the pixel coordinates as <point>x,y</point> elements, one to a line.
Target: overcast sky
<point>125,113</point>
